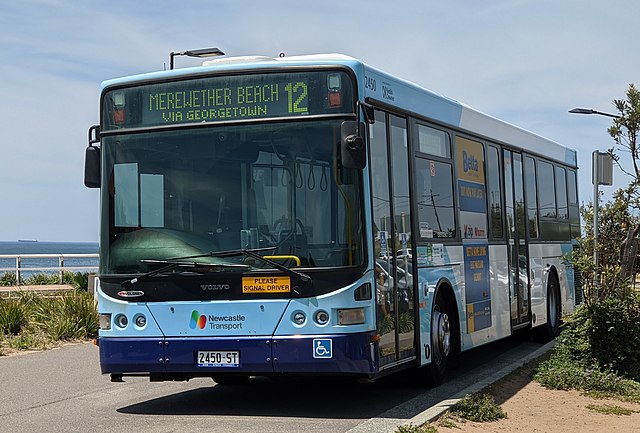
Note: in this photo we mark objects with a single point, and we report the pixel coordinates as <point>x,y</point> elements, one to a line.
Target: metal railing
<point>19,267</point>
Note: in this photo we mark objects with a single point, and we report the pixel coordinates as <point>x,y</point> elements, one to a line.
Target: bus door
<point>517,240</point>
<point>392,238</point>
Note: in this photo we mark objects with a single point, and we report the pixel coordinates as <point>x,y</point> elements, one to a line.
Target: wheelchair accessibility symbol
<point>322,348</point>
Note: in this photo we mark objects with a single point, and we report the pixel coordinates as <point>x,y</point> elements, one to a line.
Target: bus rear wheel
<point>550,330</point>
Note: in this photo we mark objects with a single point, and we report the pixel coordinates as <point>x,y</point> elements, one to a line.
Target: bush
<point>42,279</point>
<point>8,279</point>
<point>12,317</point>
<point>416,429</point>
<point>598,351</point>
<point>71,317</point>
<point>79,280</point>
<point>614,334</point>
<point>478,408</point>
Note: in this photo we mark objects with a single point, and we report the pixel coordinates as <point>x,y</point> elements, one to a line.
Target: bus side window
<point>494,193</point>
<point>547,189</point>
<point>532,196</point>
<point>434,193</point>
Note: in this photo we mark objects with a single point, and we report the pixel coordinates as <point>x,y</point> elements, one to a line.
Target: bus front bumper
<point>177,358</point>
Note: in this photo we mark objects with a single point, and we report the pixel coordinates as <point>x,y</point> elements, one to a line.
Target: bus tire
<point>441,340</point>
<point>550,330</point>
<point>230,380</point>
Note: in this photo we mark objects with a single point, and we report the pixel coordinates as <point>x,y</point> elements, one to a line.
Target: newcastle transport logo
<point>216,322</point>
<point>197,321</point>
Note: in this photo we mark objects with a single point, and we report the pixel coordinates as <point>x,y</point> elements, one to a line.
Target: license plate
<point>218,358</point>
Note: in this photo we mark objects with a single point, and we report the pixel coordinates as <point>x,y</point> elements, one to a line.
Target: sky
<point>524,61</point>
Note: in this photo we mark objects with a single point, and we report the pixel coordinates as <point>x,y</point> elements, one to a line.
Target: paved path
<point>62,390</point>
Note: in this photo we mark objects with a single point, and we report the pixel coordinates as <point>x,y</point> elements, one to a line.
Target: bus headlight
<point>105,321</point>
<point>299,318</point>
<point>321,317</point>
<point>121,321</point>
<point>140,321</point>
<point>351,316</point>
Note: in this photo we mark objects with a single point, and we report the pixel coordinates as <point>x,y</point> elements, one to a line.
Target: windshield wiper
<point>253,253</point>
<point>178,262</point>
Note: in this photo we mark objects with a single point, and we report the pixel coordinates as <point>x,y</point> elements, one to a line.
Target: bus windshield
<point>187,192</point>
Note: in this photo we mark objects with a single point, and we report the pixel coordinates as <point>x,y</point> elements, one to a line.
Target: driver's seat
<point>291,243</point>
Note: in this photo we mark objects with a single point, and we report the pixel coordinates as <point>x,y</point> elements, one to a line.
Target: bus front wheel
<point>441,340</point>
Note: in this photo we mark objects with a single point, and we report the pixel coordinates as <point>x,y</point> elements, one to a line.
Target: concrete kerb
<point>437,410</point>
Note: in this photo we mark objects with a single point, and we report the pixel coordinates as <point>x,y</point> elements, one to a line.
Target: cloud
<point>524,61</point>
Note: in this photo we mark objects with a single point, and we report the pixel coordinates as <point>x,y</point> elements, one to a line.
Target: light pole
<point>591,111</point>
<point>205,52</point>
<point>601,174</point>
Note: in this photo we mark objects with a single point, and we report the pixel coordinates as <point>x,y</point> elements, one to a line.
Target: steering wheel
<point>283,224</point>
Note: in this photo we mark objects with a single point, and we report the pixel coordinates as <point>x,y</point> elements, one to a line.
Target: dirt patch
<point>531,408</point>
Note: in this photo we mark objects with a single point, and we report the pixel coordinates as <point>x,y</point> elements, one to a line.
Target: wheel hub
<point>442,329</point>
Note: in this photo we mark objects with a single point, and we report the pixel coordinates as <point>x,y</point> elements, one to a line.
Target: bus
<point>313,215</point>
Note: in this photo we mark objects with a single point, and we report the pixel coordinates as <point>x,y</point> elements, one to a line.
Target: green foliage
<point>387,324</point>
<point>405,323</point>
<point>598,351</point>
<point>616,218</point>
<point>563,373</point>
<point>626,127</point>
<point>608,409</point>
<point>72,316</point>
<point>31,321</point>
<point>427,428</point>
<point>42,278</point>
<point>79,280</point>
<point>12,317</point>
<point>614,334</point>
<point>8,279</point>
<point>478,408</point>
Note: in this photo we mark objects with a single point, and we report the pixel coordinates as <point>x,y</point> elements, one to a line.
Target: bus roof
<point>378,86</point>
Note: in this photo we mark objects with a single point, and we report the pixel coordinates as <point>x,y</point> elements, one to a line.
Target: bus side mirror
<point>92,167</point>
<point>352,149</point>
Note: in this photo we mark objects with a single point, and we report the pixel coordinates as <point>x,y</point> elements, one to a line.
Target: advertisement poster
<point>473,223</point>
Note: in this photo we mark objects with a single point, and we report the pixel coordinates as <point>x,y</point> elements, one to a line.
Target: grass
<point>479,407</point>
<point>427,428</point>
<point>35,322</point>
<point>608,409</point>
<point>79,280</point>
<point>563,371</point>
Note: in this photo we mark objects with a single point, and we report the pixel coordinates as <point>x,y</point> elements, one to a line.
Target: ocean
<point>37,247</point>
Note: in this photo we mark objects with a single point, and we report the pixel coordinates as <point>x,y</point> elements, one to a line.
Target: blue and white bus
<point>313,215</point>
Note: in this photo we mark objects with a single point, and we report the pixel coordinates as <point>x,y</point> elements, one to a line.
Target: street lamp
<point>592,111</point>
<point>601,174</point>
<point>205,52</point>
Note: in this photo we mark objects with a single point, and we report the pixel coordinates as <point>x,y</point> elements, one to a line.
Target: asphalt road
<point>62,390</point>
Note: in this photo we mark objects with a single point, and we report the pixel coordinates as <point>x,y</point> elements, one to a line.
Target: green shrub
<point>416,429</point>
<point>614,334</point>
<point>42,278</point>
<point>12,317</point>
<point>79,280</point>
<point>26,341</point>
<point>598,351</point>
<point>478,408</point>
<point>8,279</point>
<point>72,316</point>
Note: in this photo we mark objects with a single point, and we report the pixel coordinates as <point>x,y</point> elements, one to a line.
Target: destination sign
<point>217,99</point>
